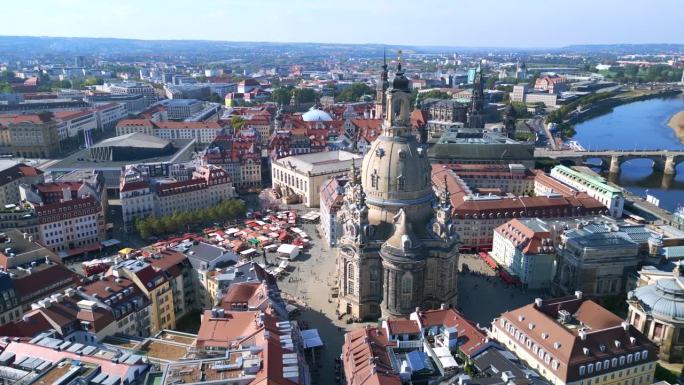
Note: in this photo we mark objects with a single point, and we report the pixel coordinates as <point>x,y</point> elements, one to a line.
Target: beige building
<point>655,309</point>
<point>301,176</point>
<point>155,287</point>
<point>31,136</point>
<point>398,249</point>
<point>575,341</point>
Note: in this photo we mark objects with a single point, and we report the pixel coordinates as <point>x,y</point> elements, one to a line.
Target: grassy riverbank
<point>677,124</point>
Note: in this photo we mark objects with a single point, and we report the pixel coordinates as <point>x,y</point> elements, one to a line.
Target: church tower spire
<point>381,88</point>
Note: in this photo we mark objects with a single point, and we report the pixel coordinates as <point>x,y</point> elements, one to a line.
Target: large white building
<point>133,88</point>
<point>597,187</point>
<point>332,195</point>
<point>109,114</point>
<point>524,247</point>
<point>202,132</point>
<point>301,176</point>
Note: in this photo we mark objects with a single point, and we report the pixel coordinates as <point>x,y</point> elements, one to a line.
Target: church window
<point>401,183</point>
<point>406,290</point>
<point>350,278</point>
<point>374,179</point>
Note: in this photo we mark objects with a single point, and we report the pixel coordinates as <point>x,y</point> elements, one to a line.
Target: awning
<point>489,260</point>
<point>110,242</point>
<point>311,338</point>
<point>80,250</point>
<point>248,252</point>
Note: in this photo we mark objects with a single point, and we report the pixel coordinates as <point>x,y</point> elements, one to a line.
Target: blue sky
<point>492,23</point>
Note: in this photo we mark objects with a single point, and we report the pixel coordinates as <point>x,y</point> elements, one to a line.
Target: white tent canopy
<point>311,338</point>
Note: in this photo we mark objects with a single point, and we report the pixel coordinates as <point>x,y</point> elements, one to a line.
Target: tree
<point>7,76</point>
<point>434,94</point>
<point>520,110</point>
<point>281,95</point>
<point>5,89</point>
<point>144,227</point>
<point>216,99</point>
<point>92,81</point>
<point>237,122</point>
<point>305,95</point>
<point>354,92</point>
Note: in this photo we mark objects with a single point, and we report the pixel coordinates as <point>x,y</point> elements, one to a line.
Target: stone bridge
<point>665,161</point>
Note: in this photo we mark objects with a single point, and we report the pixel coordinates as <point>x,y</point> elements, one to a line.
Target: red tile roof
<point>365,358</point>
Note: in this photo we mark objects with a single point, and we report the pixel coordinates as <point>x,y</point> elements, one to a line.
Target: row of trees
<point>183,221</point>
<point>354,93</point>
<point>654,73</point>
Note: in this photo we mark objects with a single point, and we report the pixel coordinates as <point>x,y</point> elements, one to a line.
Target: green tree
<point>5,89</point>
<point>7,76</point>
<point>354,92</point>
<point>434,94</point>
<point>92,81</point>
<point>237,122</point>
<point>520,110</point>
<point>281,95</point>
<point>305,95</point>
<point>214,98</point>
<point>144,227</point>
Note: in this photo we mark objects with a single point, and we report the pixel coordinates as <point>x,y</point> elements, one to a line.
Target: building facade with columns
<point>398,249</point>
<point>657,310</point>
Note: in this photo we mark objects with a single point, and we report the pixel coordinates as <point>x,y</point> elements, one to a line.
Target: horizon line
<point>338,43</point>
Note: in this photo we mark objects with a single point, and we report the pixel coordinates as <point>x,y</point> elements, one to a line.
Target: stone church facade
<point>398,250</point>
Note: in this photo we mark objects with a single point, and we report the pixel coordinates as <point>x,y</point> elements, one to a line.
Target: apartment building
<point>154,286</point>
<point>239,155</point>
<point>525,248</point>
<point>572,340</point>
<point>145,193</point>
<point>71,215</point>
<point>13,176</point>
<point>128,306</point>
<point>332,197</point>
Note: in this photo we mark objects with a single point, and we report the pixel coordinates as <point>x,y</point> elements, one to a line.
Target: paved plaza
<point>482,296</point>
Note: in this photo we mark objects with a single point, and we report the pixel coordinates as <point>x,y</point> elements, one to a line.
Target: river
<point>639,125</point>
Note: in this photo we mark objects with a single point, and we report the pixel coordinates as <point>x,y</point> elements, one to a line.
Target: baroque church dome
<point>396,171</point>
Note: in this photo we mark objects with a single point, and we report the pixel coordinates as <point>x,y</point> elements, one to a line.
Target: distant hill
<point>625,48</point>
<point>27,45</point>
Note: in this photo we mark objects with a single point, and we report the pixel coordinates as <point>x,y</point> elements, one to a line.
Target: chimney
<point>538,302</point>
<point>443,306</point>
<point>578,294</point>
<point>625,325</point>
<point>66,193</point>
<point>582,335</point>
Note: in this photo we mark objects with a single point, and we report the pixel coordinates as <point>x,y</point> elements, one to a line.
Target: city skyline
<point>451,23</point>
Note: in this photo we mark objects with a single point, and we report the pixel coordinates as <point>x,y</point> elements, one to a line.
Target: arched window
<point>350,278</point>
<point>401,183</point>
<point>406,290</point>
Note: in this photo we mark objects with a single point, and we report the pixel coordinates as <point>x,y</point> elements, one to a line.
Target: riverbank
<point>677,124</point>
<point>602,107</point>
